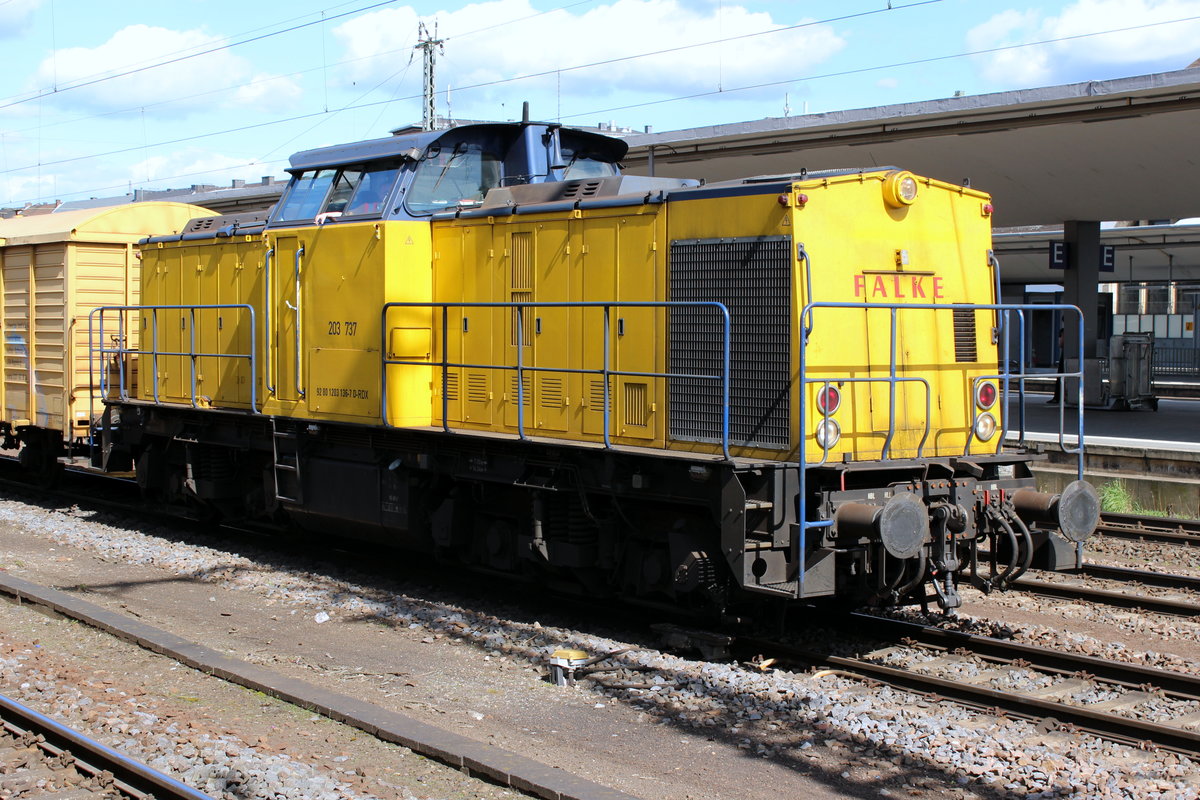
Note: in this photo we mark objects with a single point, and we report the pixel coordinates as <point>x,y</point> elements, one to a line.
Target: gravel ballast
<point>823,732</point>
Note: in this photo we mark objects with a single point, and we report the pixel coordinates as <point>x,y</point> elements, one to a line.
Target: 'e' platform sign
<point>1058,255</point>
<point>1060,250</point>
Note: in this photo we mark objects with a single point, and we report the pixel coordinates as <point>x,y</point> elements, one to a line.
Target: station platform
<point>1156,454</point>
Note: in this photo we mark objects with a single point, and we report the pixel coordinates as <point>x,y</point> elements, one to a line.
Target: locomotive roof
<point>404,145</point>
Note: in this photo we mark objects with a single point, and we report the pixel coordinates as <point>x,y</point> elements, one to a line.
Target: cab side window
<point>343,187</point>
<point>373,191</point>
<point>333,192</point>
<point>306,196</point>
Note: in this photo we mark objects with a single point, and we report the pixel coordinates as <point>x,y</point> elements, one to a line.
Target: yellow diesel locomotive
<point>489,344</point>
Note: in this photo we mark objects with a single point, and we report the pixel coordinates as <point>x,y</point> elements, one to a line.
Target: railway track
<point>1150,529</point>
<point>41,758</point>
<point>1121,702</point>
<point>1121,599</point>
<point>1126,691</point>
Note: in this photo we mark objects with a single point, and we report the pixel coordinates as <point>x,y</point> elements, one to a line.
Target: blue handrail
<point>97,349</point>
<point>1004,375</point>
<point>606,371</point>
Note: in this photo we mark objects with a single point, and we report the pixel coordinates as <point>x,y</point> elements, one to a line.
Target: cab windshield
<point>450,177</point>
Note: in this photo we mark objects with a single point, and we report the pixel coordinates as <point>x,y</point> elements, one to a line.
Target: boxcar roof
<point>128,222</point>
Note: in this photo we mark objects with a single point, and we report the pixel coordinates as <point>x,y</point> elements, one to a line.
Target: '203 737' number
<point>337,327</point>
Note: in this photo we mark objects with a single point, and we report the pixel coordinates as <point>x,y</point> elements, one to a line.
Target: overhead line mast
<point>430,46</point>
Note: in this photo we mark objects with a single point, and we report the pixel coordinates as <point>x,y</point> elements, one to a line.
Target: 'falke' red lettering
<point>881,288</point>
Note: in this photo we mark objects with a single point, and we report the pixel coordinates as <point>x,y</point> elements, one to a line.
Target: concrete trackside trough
<point>474,758</point>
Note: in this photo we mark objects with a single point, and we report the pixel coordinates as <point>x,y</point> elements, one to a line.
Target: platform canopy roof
<point>1126,149</point>
<point>1143,253</point>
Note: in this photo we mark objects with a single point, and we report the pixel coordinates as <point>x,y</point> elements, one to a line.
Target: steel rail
<point>1108,725</point>
<point>1158,605</point>
<point>1163,580</point>
<point>90,757</point>
<point>1152,529</point>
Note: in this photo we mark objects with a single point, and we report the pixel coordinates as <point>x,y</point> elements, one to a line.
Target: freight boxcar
<point>55,268</point>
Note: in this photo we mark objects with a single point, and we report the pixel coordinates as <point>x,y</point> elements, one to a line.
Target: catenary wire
<point>187,56</point>
<point>479,85</point>
<point>894,65</point>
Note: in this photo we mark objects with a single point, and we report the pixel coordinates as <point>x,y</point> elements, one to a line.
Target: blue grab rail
<point>521,369</point>
<point>1005,376</point>
<point>98,351</point>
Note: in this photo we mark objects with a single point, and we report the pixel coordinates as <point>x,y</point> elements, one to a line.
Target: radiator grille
<point>964,336</point>
<point>752,277</point>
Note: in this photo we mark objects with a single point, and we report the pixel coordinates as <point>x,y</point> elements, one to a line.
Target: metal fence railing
<point>1176,364</point>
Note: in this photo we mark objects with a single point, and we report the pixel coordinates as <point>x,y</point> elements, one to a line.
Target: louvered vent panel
<point>550,392</point>
<point>965,350</point>
<point>451,385</point>
<point>637,410</point>
<point>578,189</point>
<point>752,277</point>
<point>522,318</point>
<point>477,387</point>
<point>596,396</point>
<point>526,388</point>
<point>521,287</point>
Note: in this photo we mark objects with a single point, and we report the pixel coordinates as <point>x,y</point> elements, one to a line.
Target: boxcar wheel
<point>39,464</point>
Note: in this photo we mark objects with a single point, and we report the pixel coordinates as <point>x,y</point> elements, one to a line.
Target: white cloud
<point>887,83</point>
<point>25,187</point>
<point>186,167</point>
<point>15,16</point>
<point>494,50</point>
<point>268,93</point>
<point>137,46</point>
<point>1139,49</point>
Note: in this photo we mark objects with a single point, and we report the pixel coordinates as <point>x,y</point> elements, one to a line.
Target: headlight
<point>985,427</point>
<point>900,189</point>
<point>828,433</point>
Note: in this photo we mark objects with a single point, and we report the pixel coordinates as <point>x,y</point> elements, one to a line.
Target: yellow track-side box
<point>55,269</point>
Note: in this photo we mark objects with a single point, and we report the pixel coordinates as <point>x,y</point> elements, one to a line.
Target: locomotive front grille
<point>752,277</point>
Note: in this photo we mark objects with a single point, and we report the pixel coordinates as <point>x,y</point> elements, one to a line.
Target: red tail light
<point>829,399</point>
<point>985,395</point>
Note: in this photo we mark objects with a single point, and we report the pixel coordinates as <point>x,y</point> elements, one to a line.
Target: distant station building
<point>239,196</point>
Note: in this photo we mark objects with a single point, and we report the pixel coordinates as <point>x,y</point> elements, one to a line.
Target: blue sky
<point>100,98</point>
